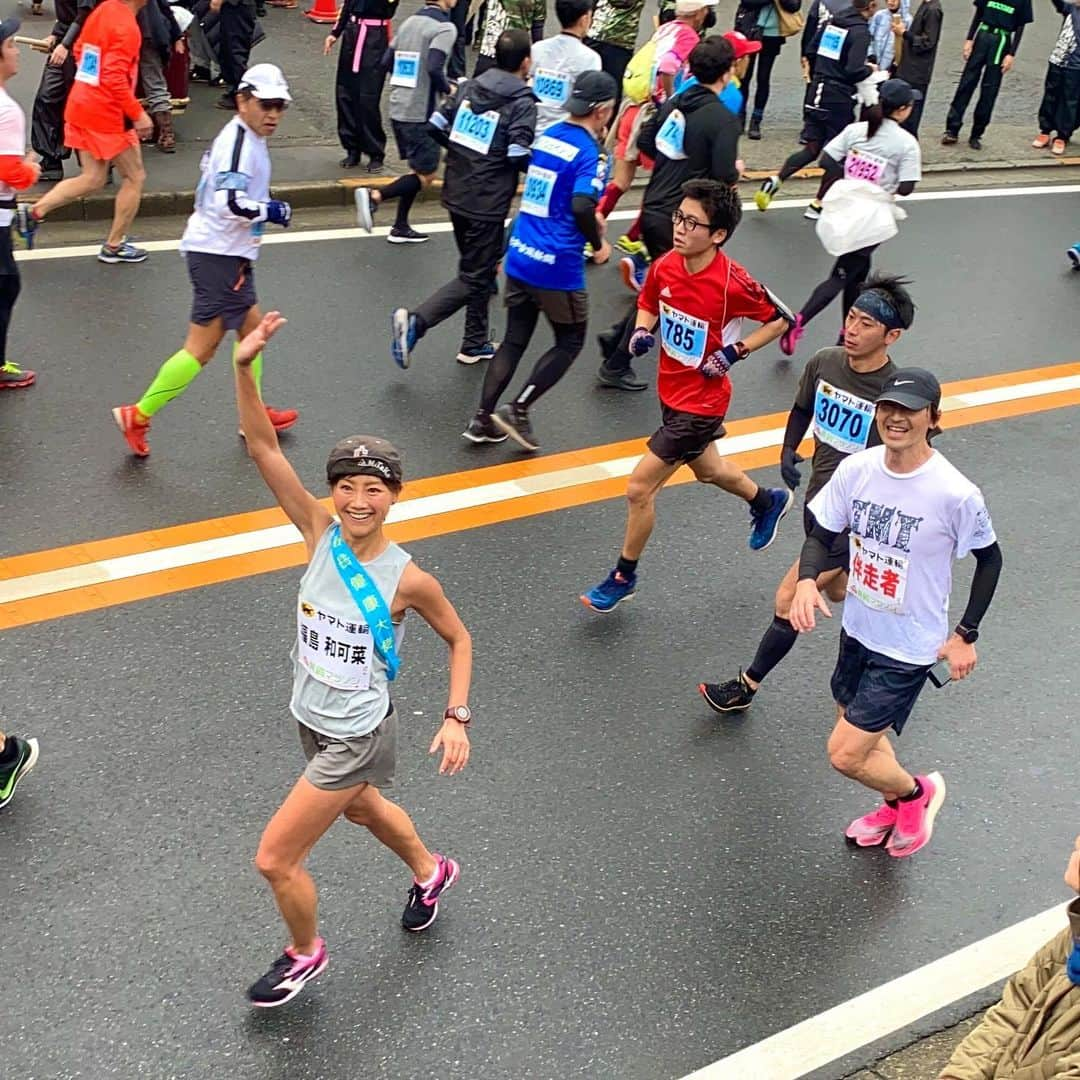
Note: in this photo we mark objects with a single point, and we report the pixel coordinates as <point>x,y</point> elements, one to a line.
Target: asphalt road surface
<point>645,888</point>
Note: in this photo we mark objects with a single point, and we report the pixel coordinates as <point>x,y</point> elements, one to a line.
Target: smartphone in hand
<point>940,674</point>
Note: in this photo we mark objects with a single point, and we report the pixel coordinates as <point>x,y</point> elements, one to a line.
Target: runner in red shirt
<point>103,121</point>
<point>698,297</point>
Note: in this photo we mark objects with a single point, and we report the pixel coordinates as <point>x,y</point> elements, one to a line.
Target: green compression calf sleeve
<point>173,378</point>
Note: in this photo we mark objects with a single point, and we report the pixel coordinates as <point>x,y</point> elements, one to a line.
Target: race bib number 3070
<point>89,71</point>
<point>841,420</point>
<point>475,131</point>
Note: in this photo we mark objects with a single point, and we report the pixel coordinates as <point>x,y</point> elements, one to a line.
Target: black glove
<point>789,467</point>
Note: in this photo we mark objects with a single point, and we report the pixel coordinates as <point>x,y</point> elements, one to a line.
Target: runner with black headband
<point>835,398</point>
<point>352,601</point>
<point>910,514</point>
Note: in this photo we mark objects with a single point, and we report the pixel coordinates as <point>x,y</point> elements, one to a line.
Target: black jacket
<point>851,67</point>
<point>920,45</point>
<point>820,14</point>
<point>483,185</point>
<point>710,143</point>
<point>159,26</point>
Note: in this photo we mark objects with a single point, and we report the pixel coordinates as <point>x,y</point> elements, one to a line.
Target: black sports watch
<point>461,713</point>
<point>964,634</point>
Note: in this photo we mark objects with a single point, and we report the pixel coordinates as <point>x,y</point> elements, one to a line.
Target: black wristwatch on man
<point>966,634</point>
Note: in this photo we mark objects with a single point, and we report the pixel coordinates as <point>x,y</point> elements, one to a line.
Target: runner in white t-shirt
<point>558,61</point>
<point>876,150</point>
<point>910,514</point>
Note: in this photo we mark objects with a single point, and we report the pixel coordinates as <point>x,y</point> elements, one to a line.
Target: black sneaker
<point>200,74</point>
<point>481,429</point>
<point>731,696</point>
<point>975,142</point>
<point>423,903</point>
<point>26,755</point>
<point>515,422</point>
<point>626,379</point>
<point>289,975</point>
<point>949,139</point>
<point>350,161</point>
<point>406,235</point>
<point>754,131</point>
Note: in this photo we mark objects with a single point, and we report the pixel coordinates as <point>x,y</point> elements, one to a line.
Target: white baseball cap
<point>688,7</point>
<point>266,82</point>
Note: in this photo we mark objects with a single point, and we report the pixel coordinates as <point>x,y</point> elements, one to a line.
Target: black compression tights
<point>9,293</point>
<point>521,322</point>
<point>807,155</point>
<point>847,275</point>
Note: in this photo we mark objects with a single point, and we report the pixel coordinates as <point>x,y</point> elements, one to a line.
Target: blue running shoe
<point>633,269</point>
<point>611,592</point>
<point>763,526</point>
<point>402,336</point>
<point>26,225</point>
<point>1073,253</point>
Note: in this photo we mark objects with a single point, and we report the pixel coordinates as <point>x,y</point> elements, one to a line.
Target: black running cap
<point>896,93</point>
<point>9,28</point>
<point>591,88</point>
<point>364,455</point>
<point>914,388</point>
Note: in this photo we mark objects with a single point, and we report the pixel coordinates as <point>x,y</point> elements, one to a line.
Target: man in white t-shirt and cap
<point>910,514</point>
<point>558,61</point>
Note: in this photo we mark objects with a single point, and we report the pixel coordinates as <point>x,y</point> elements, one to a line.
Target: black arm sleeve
<point>797,423</point>
<point>973,29</point>
<point>906,188</point>
<point>584,208</point>
<point>436,69</point>
<point>815,552</point>
<point>983,583</point>
<point>806,44</point>
<point>1017,35</point>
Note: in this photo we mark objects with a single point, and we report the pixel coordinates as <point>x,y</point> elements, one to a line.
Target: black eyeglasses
<point>679,218</point>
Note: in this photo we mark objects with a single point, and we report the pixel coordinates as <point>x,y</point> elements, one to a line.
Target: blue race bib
<point>670,137</point>
<point>406,70</point>
<point>475,131</point>
<point>536,197</point>
<point>684,336</point>
<point>551,87</point>
<point>842,420</point>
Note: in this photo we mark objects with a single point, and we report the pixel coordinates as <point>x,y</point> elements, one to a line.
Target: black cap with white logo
<point>364,455</point>
<point>9,28</point>
<point>914,388</point>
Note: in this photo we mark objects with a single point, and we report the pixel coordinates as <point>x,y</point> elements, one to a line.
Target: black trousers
<point>358,93</point>
<point>455,65</point>
<point>761,63</point>
<point>656,231</point>
<point>9,288</point>
<point>480,247</point>
<point>47,119</point>
<point>847,275</point>
<point>1060,102</point>
<point>237,30</point>
<point>984,63</point>
<point>613,60</point>
<point>912,123</point>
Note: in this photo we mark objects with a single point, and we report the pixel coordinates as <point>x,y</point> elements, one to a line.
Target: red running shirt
<point>107,63</point>
<point>699,313</point>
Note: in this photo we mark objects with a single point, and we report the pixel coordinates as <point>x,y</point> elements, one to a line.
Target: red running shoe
<point>282,419</point>
<point>12,377</point>
<point>135,427</point>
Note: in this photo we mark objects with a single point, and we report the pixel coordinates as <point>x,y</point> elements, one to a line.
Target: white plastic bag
<point>856,214</point>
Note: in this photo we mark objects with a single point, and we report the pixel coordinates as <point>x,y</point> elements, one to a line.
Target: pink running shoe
<point>872,829</point>
<point>289,974</point>
<point>423,903</point>
<point>789,339</point>
<point>915,819</point>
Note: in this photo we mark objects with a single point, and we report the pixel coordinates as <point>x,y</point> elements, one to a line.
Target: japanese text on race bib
<point>683,336</point>
<point>842,420</point>
<point>832,41</point>
<point>671,136</point>
<point>475,131</point>
<point>551,87</point>
<point>862,165</point>
<point>89,71</point>
<point>536,196</point>
<point>406,70</point>
<point>877,579</point>
<point>334,651</point>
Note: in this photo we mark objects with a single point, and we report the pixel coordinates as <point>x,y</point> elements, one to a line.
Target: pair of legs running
<point>847,276</point>
<point>92,178</point>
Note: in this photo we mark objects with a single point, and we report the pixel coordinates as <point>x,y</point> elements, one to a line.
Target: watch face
<point>461,712</point>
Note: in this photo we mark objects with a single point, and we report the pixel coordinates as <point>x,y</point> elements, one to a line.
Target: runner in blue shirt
<point>544,270</point>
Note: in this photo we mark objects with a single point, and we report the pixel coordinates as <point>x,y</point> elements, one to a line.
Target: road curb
<point>329,193</point>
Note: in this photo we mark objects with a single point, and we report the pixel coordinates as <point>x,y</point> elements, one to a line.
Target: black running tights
<point>847,275</point>
<point>9,293</point>
<point>521,322</point>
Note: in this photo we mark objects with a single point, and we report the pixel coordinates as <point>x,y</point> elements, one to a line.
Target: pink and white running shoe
<point>290,973</point>
<point>915,818</point>
<point>872,829</point>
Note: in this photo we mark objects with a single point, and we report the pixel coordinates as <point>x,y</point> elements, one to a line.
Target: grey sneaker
<point>125,253</point>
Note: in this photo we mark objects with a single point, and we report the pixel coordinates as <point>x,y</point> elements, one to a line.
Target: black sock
<point>916,794</point>
<point>10,751</point>
<point>894,803</point>
<point>775,644</point>
<point>404,189</point>
<point>761,501</point>
<point>626,567</point>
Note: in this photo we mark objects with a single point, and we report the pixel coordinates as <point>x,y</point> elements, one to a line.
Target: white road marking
<point>315,236</point>
<point>888,1008</point>
<point>170,558</point>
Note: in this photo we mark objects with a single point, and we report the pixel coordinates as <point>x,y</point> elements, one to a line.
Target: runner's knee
<point>844,758</point>
<point>640,493</point>
<point>272,865</point>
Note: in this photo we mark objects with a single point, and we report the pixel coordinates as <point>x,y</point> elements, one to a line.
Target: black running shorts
<point>876,691</point>
<point>684,436</point>
<point>223,287</point>
<point>417,147</point>
<point>566,307</point>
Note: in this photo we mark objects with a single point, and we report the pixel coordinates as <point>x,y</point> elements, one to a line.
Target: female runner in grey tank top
<point>342,659</point>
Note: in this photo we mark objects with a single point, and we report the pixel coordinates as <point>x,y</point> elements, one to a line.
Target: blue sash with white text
<point>368,599</point>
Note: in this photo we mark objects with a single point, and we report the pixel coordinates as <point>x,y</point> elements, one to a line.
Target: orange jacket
<point>107,60</point>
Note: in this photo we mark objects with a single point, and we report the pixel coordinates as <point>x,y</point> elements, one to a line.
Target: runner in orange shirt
<point>103,121</point>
